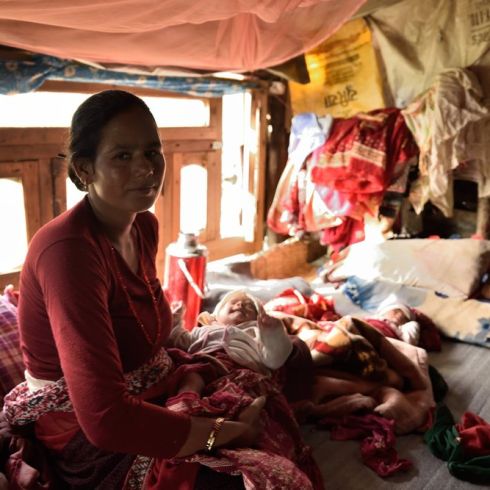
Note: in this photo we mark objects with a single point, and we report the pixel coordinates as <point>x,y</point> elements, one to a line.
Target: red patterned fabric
<point>475,434</point>
<point>280,459</point>
<point>22,407</point>
<point>362,153</point>
<point>345,178</point>
<point>349,232</point>
<point>382,326</point>
<point>11,364</point>
<point>362,157</point>
<point>378,439</point>
<point>315,307</point>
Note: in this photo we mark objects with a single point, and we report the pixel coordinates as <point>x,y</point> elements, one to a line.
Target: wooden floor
<point>466,369</point>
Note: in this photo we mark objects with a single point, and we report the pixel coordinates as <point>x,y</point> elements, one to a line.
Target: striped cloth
<point>11,365</point>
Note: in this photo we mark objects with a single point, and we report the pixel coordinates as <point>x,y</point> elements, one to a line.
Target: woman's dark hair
<point>90,119</point>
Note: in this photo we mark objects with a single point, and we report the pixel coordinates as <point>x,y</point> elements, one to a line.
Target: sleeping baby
<point>241,328</point>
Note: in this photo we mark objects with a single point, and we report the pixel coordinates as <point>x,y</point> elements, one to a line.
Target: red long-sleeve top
<point>75,321</point>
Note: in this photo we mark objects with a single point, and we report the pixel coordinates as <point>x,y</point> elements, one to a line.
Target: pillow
<point>467,320</point>
<point>11,364</point>
<point>451,267</point>
<point>220,281</point>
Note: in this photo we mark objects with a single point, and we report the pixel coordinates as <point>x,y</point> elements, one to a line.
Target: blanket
<point>351,349</point>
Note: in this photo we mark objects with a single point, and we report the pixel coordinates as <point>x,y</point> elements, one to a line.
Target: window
<point>19,183</point>
<point>73,195</point>
<point>213,182</point>
<point>193,198</point>
<point>13,245</point>
<point>179,113</point>
<point>34,110</point>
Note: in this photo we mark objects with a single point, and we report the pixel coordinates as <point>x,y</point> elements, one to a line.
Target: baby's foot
<point>343,405</point>
<point>408,410</point>
<point>250,414</point>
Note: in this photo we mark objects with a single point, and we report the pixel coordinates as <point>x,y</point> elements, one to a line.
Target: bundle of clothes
<point>358,394</point>
<point>340,171</point>
<point>371,377</point>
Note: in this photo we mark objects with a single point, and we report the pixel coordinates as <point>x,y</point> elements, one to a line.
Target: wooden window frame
<point>28,173</point>
<point>182,145</point>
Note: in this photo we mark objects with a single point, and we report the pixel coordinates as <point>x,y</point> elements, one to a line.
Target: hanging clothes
<point>338,171</point>
<point>295,205</point>
<point>363,152</point>
<point>444,120</point>
<point>364,156</point>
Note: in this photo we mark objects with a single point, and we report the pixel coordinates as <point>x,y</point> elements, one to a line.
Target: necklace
<point>148,338</point>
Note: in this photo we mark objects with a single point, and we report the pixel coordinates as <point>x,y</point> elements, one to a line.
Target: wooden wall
<point>32,154</point>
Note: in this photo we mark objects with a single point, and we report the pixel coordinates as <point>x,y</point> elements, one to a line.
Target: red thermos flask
<point>184,275</point>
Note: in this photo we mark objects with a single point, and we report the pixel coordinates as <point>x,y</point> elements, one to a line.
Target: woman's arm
<point>75,292</point>
<point>74,282</point>
<point>240,433</point>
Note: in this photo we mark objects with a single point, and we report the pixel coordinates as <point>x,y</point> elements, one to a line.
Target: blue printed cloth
<point>21,76</point>
<point>467,320</point>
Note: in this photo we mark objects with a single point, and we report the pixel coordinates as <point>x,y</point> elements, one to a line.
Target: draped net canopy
<point>232,35</point>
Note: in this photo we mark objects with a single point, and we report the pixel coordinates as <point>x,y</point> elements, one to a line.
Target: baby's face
<point>396,316</point>
<point>238,310</point>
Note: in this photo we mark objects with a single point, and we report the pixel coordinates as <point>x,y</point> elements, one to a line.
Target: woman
<point>94,325</point>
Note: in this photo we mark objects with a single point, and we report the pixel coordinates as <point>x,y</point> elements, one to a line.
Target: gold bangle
<point>218,423</point>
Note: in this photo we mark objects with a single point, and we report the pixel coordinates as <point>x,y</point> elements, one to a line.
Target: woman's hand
<point>250,418</point>
<point>234,433</point>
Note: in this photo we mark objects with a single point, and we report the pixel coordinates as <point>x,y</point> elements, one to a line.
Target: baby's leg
<point>327,386</point>
<point>393,379</point>
<point>343,405</point>
<point>408,410</point>
<point>191,382</point>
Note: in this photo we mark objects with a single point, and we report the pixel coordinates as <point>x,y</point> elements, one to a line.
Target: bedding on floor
<point>463,319</point>
<point>465,368</point>
<point>463,362</point>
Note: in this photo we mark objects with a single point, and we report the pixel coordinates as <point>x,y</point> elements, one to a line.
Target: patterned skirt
<point>278,460</point>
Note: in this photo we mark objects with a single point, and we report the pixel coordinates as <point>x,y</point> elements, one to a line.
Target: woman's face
<point>238,310</point>
<point>129,167</point>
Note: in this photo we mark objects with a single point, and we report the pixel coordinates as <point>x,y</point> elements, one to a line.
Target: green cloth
<point>443,441</point>
<point>439,385</point>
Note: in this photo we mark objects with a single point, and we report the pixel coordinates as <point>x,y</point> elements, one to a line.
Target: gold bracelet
<point>218,423</point>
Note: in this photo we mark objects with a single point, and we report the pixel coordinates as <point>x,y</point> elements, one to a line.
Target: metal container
<point>184,275</point>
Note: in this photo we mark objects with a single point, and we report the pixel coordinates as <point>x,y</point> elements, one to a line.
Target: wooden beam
<point>9,278</point>
<point>262,106</point>
<point>33,136</point>
<point>92,88</point>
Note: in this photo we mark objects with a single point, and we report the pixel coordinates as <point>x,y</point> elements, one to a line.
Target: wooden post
<point>483,217</point>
